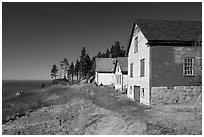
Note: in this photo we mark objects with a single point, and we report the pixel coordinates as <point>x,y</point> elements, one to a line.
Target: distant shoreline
<point>24,80</point>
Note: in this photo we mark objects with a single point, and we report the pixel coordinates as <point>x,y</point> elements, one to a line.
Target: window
<point>118,79</point>
<point>130,89</point>
<point>142,67</point>
<point>131,70</point>
<point>136,45</point>
<point>188,66</point>
<point>142,92</point>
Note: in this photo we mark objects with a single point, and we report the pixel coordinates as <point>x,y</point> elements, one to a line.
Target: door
<point>137,93</point>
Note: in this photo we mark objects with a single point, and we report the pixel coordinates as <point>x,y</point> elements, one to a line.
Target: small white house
<point>105,71</point>
<point>121,73</point>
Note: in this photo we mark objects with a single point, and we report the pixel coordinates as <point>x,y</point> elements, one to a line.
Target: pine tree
<point>107,54</point>
<point>113,52</point>
<point>66,65</point>
<point>71,69</point>
<point>61,67</point>
<point>93,66</point>
<point>82,62</point>
<point>87,66</point>
<point>99,55</point>
<point>77,66</point>
<point>117,49</point>
<point>122,54</point>
<point>54,72</point>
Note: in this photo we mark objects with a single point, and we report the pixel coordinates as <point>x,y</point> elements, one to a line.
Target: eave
<point>172,43</point>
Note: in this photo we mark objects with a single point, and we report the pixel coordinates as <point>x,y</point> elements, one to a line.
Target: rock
<point>19,93</point>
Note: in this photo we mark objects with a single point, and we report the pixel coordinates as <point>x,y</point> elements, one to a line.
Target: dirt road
<point>98,110</point>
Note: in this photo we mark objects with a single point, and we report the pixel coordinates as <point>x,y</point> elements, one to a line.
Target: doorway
<point>137,93</point>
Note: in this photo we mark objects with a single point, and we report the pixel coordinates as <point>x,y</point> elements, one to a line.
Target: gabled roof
<point>168,30</point>
<point>123,63</point>
<point>171,30</point>
<point>105,64</point>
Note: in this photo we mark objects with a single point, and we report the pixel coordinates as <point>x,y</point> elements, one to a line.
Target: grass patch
<point>17,106</point>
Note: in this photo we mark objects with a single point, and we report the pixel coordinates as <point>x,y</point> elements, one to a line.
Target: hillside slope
<point>87,109</point>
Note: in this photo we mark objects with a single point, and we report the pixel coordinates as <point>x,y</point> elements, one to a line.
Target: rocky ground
<point>88,109</point>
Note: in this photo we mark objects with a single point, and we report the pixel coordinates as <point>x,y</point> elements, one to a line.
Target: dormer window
<point>136,45</point>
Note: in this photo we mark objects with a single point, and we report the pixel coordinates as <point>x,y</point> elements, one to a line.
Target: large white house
<point>121,73</point>
<point>162,53</point>
<point>105,71</point>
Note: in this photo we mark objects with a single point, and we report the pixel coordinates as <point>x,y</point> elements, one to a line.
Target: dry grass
<point>88,109</point>
<point>29,101</point>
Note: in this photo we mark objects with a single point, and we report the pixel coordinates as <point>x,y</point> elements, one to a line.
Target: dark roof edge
<point>169,42</point>
<point>130,39</point>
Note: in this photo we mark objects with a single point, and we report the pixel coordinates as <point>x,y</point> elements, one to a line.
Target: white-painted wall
<point>136,80</point>
<point>124,81</point>
<point>105,78</point>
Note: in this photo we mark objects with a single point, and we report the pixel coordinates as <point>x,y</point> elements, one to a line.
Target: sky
<point>37,35</point>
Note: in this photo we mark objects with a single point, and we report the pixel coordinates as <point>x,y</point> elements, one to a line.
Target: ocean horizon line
<point>26,80</point>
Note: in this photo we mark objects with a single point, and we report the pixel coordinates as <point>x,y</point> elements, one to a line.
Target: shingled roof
<point>105,64</point>
<point>168,30</point>
<point>123,63</point>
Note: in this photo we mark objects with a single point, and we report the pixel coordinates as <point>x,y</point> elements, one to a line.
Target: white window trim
<point>142,93</point>
<point>193,66</point>
<point>130,90</point>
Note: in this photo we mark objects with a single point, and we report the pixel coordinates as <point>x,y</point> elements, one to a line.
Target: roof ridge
<point>167,19</point>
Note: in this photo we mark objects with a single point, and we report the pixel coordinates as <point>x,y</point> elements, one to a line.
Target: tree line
<point>84,67</point>
<point>115,51</point>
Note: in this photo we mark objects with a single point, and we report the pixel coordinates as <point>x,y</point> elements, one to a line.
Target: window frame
<point>136,45</point>
<point>142,92</point>
<point>142,67</point>
<point>118,79</point>
<point>130,89</point>
<point>131,70</point>
<point>190,68</point>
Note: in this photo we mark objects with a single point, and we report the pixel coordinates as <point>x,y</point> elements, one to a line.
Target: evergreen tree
<point>82,62</point>
<point>99,55</point>
<point>93,66</point>
<point>65,64</point>
<point>122,54</point>
<point>117,49</point>
<point>103,55</point>
<point>113,52</point>
<point>61,67</point>
<point>87,66</point>
<point>71,69</point>
<point>54,72</point>
<point>77,66</point>
<point>107,54</point>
